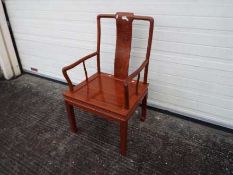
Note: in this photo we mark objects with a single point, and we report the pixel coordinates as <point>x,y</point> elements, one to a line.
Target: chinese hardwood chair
<point>114,97</point>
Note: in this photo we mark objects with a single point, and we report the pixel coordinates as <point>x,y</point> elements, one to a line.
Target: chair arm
<point>65,69</point>
<point>136,72</point>
<point>129,79</point>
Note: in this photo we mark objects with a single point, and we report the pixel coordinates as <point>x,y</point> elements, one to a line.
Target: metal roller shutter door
<point>191,67</point>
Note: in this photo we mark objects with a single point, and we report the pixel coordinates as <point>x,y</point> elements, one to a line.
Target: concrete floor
<point>35,138</point>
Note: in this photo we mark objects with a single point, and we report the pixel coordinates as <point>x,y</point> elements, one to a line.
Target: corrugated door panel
<point>191,67</point>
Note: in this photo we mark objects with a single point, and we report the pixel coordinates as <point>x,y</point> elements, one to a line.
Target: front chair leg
<point>123,137</point>
<point>144,104</point>
<point>71,117</point>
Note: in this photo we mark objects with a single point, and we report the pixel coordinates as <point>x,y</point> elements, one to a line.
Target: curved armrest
<point>136,72</point>
<point>129,79</point>
<point>65,69</point>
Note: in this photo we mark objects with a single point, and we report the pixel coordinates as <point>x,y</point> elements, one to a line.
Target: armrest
<point>129,79</point>
<point>65,69</point>
<point>136,72</point>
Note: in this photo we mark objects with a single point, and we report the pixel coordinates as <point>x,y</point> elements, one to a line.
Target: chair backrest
<point>124,21</point>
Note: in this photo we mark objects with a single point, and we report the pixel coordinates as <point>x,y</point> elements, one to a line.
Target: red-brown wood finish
<point>114,97</point>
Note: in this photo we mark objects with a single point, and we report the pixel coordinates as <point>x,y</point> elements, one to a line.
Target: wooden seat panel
<point>107,92</point>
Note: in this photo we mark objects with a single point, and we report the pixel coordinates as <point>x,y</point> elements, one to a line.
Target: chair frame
<point>123,122</point>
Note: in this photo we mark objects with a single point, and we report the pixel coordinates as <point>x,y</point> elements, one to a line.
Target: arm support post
<point>130,78</point>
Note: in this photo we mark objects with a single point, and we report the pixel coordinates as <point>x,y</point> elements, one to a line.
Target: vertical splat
<point>123,44</point>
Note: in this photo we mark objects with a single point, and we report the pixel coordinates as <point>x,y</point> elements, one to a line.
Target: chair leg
<point>144,104</point>
<point>71,117</point>
<point>123,137</point>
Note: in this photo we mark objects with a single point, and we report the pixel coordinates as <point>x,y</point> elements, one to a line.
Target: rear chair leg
<point>144,104</point>
<point>123,137</point>
<point>71,117</point>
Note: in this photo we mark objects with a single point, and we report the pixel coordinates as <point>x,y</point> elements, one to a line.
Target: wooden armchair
<point>114,97</point>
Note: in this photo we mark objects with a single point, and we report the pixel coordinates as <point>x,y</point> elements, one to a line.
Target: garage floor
<point>35,138</point>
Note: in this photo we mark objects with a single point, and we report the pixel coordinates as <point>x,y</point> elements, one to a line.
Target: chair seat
<point>104,94</point>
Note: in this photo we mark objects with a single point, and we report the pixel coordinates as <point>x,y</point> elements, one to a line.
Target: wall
<point>8,59</point>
